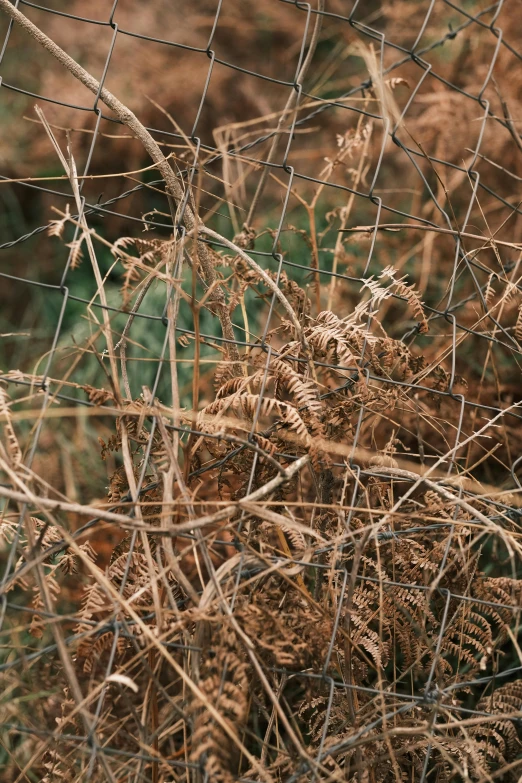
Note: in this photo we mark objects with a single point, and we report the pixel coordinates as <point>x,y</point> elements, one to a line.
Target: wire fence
<point>307,565</point>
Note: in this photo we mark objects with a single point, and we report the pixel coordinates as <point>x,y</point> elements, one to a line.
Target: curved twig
<point>174,188</point>
<point>202,229</point>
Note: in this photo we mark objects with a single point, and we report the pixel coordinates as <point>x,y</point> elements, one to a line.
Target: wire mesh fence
<point>260,402</point>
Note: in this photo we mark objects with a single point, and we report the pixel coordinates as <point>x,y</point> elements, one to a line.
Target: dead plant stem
<point>174,188</point>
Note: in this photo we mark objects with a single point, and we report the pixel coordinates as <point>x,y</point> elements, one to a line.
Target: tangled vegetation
<point>306,563</point>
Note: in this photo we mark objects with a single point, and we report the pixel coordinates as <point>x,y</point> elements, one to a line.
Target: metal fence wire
<point>260,401</point>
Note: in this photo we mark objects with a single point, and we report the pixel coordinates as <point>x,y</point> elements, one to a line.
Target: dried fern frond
<point>14,449</point>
